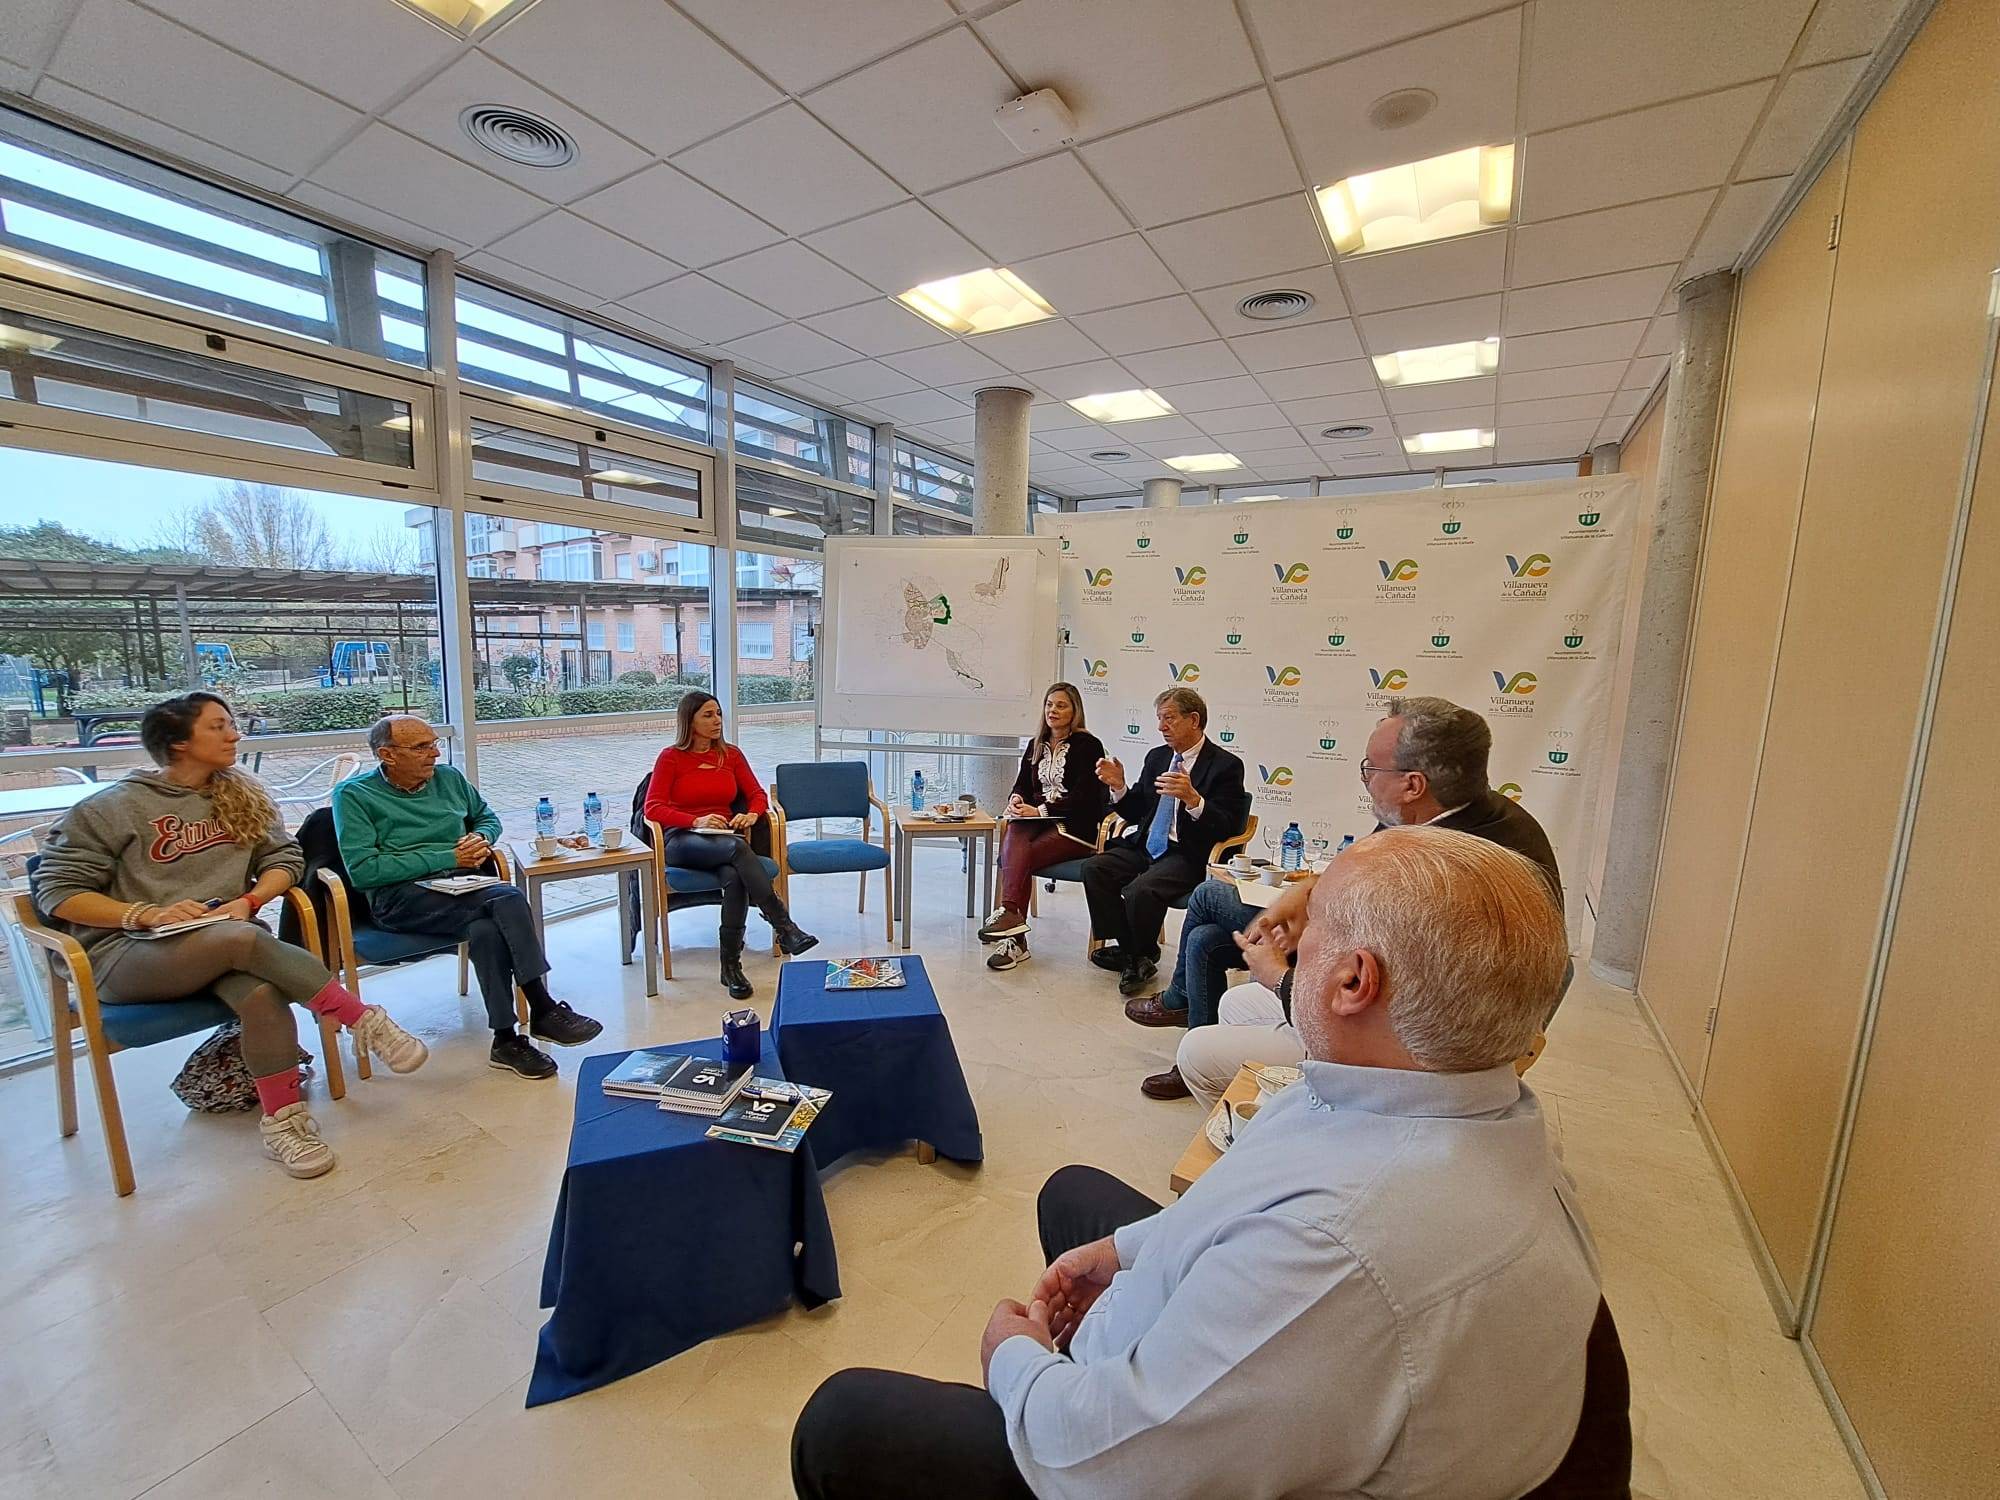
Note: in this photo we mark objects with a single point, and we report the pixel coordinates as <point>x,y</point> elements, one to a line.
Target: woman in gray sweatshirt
<point>201,840</point>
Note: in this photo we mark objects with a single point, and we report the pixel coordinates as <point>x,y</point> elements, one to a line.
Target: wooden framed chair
<point>678,887</point>
<point>1107,830</point>
<point>833,789</point>
<point>109,1029</point>
<point>346,930</point>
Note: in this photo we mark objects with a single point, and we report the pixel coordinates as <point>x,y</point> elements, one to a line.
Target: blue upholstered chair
<point>107,1029</point>
<point>831,789</point>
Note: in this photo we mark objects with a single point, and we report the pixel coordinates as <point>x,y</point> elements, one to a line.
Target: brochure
<point>865,974</point>
<point>770,1113</point>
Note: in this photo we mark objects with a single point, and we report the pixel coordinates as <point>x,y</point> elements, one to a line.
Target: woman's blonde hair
<point>242,806</point>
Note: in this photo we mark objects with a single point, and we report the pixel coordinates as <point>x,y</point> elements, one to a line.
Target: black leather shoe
<point>563,1026</point>
<point>1111,957</point>
<point>516,1054</point>
<point>733,978</point>
<point>1138,974</point>
<point>795,940</point>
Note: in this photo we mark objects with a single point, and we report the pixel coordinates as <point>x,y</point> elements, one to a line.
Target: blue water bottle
<point>593,817</point>
<point>545,819</point>
<point>1346,843</point>
<point>917,792</point>
<point>1292,849</point>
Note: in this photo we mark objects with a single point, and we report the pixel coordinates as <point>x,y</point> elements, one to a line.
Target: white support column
<point>1163,494</point>
<point>722,565</point>
<point>999,508</point>
<point>448,440</point>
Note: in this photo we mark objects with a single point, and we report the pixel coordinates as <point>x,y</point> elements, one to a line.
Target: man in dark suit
<point>1189,795</point>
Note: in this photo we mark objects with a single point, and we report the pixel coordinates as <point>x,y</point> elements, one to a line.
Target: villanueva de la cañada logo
<point>1344,537</point>
<point>1096,585</point>
<point>1190,584</point>
<point>1438,646</point>
<point>1384,684</point>
<point>1527,577</point>
<point>1232,643</point>
<point>1511,790</point>
<point>1274,785</point>
<point>1398,584</point>
<point>1334,641</point>
<point>1281,686</point>
<point>1452,530</point>
<point>1512,691</point>
<point>1137,639</point>
<point>1290,587</point>
<point>1184,672</point>
<point>1590,525</point>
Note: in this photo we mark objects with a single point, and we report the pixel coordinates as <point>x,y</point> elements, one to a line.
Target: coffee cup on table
<point>612,837</point>
<point>1241,865</point>
<point>546,845</point>
<point>1271,876</point>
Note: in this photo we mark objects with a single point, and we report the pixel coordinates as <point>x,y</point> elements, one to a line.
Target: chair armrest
<point>308,919</point>
<point>1220,852</point>
<point>888,823</point>
<point>780,835</point>
<point>501,867</point>
<point>343,921</point>
<point>68,950</point>
<point>659,842</point>
<point>1108,828</point>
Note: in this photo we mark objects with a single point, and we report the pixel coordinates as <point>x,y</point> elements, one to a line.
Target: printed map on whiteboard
<point>935,623</point>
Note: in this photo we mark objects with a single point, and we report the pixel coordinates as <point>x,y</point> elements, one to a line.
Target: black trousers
<point>494,923</point>
<point>882,1435</point>
<point>1129,894</point>
<point>744,880</point>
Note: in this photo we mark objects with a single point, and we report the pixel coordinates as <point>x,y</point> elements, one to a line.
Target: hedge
<point>638,677</point>
<point>767,690</point>
<point>315,712</point>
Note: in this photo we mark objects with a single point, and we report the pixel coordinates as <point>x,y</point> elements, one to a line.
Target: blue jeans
<point>494,923</point>
<point>1208,951</point>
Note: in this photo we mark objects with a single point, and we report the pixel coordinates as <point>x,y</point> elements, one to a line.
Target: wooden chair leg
<point>65,1058</point>
<point>926,1153</point>
<point>666,942</point>
<point>862,904</point>
<point>114,1121</point>
<point>888,906</point>
<point>464,969</point>
<point>329,1046</point>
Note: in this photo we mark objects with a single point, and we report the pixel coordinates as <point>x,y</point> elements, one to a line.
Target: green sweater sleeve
<point>374,856</point>
<point>480,818</point>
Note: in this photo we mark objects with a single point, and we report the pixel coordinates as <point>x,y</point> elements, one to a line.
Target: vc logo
<point>1192,578</point>
<point>1093,668</point>
<point>1534,565</point>
<point>1392,681</point>
<point>1097,578</point>
<point>1275,775</point>
<point>1188,672</point>
<point>1519,685</point>
<point>1283,676</point>
<point>1292,573</point>
<point>1511,790</point>
<point>1400,572</point>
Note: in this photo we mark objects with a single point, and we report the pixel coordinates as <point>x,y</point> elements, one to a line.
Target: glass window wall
<point>777,623</point>
<point>786,430</point>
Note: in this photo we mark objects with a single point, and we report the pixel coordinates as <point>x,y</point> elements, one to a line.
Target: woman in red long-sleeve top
<point>697,782</point>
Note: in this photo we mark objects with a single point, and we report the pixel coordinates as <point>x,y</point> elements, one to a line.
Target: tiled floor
<point>228,1332</point>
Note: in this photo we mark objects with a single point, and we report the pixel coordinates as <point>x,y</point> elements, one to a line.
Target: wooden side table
<point>632,861</point>
<point>1200,1155</point>
<point>913,827</point>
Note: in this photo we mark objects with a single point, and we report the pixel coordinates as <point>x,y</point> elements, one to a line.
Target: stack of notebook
<point>679,1081</point>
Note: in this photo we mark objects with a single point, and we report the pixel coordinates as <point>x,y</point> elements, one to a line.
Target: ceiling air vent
<point>1110,455</point>
<point>1346,431</point>
<point>525,139</point>
<point>1404,107</point>
<point>1270,307</point>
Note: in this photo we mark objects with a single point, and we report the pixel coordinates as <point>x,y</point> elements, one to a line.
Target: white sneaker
<point>402,1052</point>
<point>291,1139</point>
<point>1011,954</point>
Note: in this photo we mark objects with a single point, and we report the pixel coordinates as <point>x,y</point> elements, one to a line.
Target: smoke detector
<point>1110,455</point>
<point>1270,307</point>
<point>524,139</point>
<point>1346,430</point>
<point>1403,107</point>
<point>1036,122</point>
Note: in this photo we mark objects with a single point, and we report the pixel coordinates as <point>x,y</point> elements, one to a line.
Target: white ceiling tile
<point>921,406</point>
<point>639,66</point>
<point>1739,216</point>
<point>1286,348</point>
<point>878,328</point>
<point>1597,57</point>
<point>1037,346</point>
<point>1594,299</point>
<point>671,212</point>
<point>32,30</point>
<point>801,45</point>
<point>322,45</point>
<point>1318,282</point>
<point>578,252</point>
<point>1197,162</point>
<point>943,364</point>
<point>1574,380</point>
<point>1153,430</point>
<point>1804,107</point>
<point>1160,324</point>
<point>1259,416</point>
<point>1435,323</point>
<point>1092,378</point>
<point>712,313</point>
<point>1117,62</point>
<point>968,391</point>
<point>189,148</point>
<point>1447,419</point>
<point>1352,406</point>
<point>1212,395</point>
<point>956,431</point>
<point>1084,439</point>
<point>1265,239</point>
<point>1621,160</point>
<point>151,66</point>
<point>1298,33</point>
<point>1550,440</point>
<point>1644,374</point>
<point>792,280</point>
<point>1317,380</point>
<point>1573,346</point>
<point>1464,267</point>
<point>1611,239</point>
<point>1663,337</point>
<point>405,177</point>
<point>1185,365</point>
<point>1848,28</point>
<point>1110,273</point>
<point>1047,417</point>
<point>1039,206</point>
<point>790,349</point>
<point>1554,409</point>
<point>790,169</point>
<point>1405,399</point>
<point>431,114</point>
<point>924,115</point>
<point>1470,67</point>
<point>19,77</point>
<point>372,217</point>
<point>899,248</point>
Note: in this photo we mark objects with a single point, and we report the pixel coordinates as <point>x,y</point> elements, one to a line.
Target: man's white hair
<point>1472,948</point>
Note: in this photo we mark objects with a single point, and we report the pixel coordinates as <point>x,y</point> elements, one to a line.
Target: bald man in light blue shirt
<point>1383,1289</point>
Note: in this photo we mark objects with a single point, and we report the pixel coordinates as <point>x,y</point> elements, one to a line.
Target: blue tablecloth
<point>887,1056</point>
<point>663,1239</point>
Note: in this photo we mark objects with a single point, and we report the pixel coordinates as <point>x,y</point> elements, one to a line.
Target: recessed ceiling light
<point>1253,499</point>
<point>1109,456</point>
<point>977,302</point>
<point>466,18</point>
<point>1438,362</point>
<point>1205,463</point>
<point>1346,430</point>
<point>1457,193</point>
<point>1122,406</point>
<point>1272,306</point>
<point>1457,441</point>
<point>517,136</point>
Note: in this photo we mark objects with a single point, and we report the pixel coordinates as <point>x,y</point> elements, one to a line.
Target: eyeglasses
<point>1368,772</point>
<point>421,747</point>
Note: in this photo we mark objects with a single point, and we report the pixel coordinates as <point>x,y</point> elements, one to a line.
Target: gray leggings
<point>249,970</point>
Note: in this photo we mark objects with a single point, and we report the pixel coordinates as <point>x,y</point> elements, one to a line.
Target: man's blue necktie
<point>1163,817</point>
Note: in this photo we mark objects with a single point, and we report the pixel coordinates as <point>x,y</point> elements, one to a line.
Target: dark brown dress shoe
<point>1148,1011</point>
<point>1167,1085</point>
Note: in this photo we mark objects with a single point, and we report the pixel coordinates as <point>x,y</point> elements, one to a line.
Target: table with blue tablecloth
<point>886,1054</point>
<point>663,1238</point>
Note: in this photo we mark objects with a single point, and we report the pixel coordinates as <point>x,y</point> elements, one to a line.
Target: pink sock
<point>276,1090</point>
<point>336,1002</point>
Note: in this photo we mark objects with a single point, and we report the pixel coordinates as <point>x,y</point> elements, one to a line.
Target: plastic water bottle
<point>593,817</point>
<point>545,819</point>
<point>1346,843</point>
<point>916,791</point>
<point>1292,849</point>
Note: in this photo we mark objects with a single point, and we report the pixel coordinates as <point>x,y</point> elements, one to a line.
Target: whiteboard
<point>950,634</point>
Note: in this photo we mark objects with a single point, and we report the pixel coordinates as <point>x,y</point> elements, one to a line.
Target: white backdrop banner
<point>1299,621</point>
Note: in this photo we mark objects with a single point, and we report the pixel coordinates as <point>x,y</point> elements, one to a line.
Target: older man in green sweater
<point>410,820</point>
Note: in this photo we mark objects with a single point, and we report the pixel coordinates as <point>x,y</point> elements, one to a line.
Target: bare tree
<point>389,548</point>
<point>263,526</point>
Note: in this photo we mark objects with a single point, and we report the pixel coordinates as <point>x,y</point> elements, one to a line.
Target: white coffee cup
<point>546,845</point>
<point>612,837</point>
<point>1271,877</point>
<point>1241,866</point>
